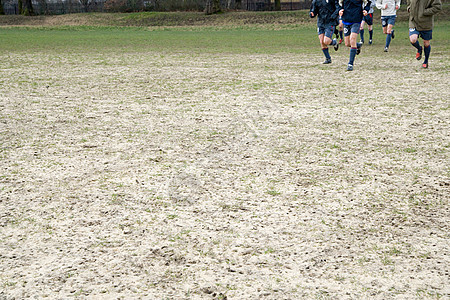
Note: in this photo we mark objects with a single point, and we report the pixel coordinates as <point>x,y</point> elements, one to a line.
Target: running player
<point>421,21</point>
<point>388,15</point>
<point>368,19</point>
<point>352,13</point>
<point>326,12</point>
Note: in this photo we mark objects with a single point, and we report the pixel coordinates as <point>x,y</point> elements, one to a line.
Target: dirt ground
<point>175,176</point>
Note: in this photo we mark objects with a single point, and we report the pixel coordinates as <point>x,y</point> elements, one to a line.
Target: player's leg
<point>369,21</point>
<point>324,47</point>
<point>384,24</point>
<point>388,37</point>
<point>414,40</point>
<point>392,22</point>
<point>347,35</point>
<point>328,38</point>
<point>361,31</point>
<point>427,36</point>
<point>341,30</point>
<point>355,47</point>
<point>336,31</point>
<point>427,51</point>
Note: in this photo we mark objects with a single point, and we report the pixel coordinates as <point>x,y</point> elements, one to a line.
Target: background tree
<point>20,6</point>
<point>27,8</point>
<point>85,4</point>
<point>277,4</point>
<point>212,7</point>
<point>2,12</point>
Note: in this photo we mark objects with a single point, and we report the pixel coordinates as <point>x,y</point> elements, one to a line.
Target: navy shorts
<point>327,29</point>
<point>368,19</point>
<point>426,35</point>
<point>388,20</point>
<point>354,28</point>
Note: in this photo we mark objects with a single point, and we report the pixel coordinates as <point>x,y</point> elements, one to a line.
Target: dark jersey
<point>327,11</point>
<point>353,11</point>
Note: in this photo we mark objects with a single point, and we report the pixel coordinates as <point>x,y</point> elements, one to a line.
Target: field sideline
<point>220,162</point>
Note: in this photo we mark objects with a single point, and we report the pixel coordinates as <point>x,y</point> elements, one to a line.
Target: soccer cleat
<point>386,49</point>
<point>336,45</point>
<point>361,42</point>
<point>340,41</point>
<point>327,61</point>
<point>370,42</point>
<point>358,50</point>
<point>419,54</point>
<point>350,67</point>
<point>424,66</point>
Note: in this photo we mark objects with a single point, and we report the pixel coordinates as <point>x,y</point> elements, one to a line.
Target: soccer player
<point>352,13</point>
<point>326,12</point>
<point>421,21</point>
<point>368,19</point>
<point>388,15</point>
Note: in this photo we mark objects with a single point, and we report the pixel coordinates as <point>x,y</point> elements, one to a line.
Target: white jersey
<point>390,10</point>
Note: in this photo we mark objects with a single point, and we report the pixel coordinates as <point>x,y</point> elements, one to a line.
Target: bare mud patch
<point>212,177</point>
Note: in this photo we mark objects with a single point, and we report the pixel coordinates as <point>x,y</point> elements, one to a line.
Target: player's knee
<point>426,43</point>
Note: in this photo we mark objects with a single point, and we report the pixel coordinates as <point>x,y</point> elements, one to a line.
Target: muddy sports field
<point>160,174</point>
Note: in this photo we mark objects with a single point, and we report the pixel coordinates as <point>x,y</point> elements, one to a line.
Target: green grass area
<point>243,39</point>
<point>171,19</point>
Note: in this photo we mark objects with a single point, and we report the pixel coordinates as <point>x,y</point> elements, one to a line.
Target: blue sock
<point>352,56</point>
<point>370,34</point>
<point>326,53</point>
<point>361,33</point>
<point>427,51</point>
<point>417,46</point>
<point>388,39</point>
<point>341,32</point>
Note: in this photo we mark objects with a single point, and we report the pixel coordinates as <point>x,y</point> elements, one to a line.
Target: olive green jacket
<point>421,13</point>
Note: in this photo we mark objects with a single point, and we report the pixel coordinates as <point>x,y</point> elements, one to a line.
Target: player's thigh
<point>353,38</point>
